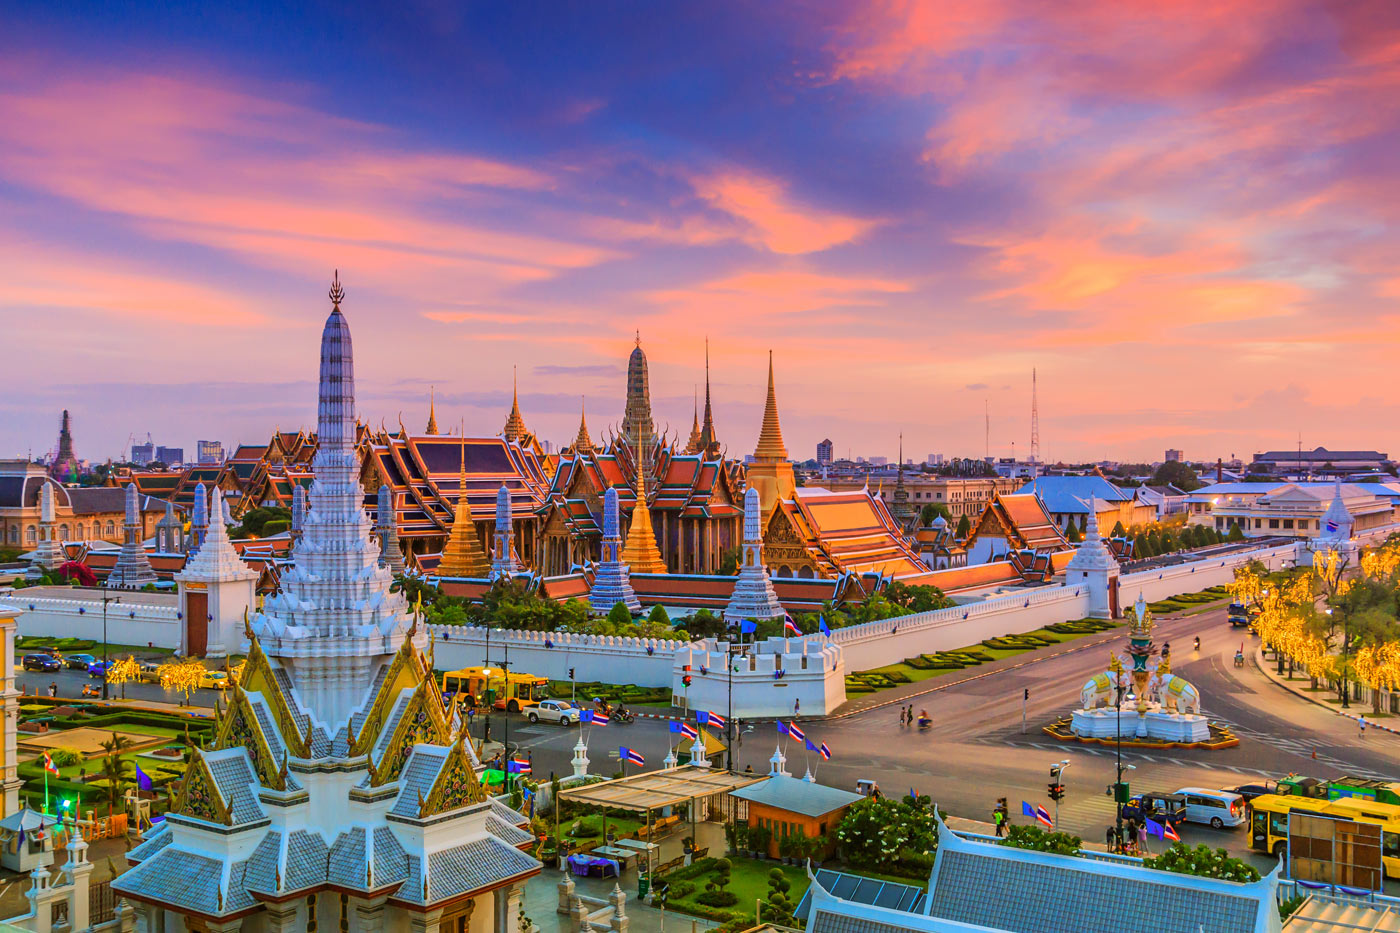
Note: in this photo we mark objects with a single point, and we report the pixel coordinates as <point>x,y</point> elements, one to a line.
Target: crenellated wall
<point>645,662</point>
<point>775,677</point>
<point>138,619</point>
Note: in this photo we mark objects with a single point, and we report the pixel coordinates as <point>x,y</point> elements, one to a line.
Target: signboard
<point>1327,850</point>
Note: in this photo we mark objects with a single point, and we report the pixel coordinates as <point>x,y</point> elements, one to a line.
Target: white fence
<point>1195,576</point>
<point>138,619</point>
<point>645,662</point>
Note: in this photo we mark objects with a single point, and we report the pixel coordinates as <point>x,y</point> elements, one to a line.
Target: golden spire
<point>640,553</point>
<point>693,445</point>
<point>337,293</point>
<point>432,427</point>
<point>515,424</point>
<point>770,438</point>
<point>583,444</point>
<point>708,445</point>
<point>463,556</point>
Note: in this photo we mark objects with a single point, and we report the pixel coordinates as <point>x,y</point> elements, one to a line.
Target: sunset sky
<point>1183,213</point>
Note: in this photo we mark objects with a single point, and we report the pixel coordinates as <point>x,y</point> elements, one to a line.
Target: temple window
<point>31,535</point>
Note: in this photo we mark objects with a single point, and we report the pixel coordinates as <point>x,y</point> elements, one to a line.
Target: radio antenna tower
<point>1035,421</point>
<point>987,430</point>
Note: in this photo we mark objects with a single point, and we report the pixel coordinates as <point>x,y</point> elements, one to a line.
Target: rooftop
<point>796,795</point>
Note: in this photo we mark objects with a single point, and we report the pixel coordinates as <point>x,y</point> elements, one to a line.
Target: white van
<point>1216,808</point>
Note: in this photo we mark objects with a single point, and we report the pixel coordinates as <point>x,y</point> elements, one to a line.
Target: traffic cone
<point>1314,754</point>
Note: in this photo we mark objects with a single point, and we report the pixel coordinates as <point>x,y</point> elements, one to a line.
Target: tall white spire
<point>612,584</point>
<point>49,555</point>
<point>335,622</point>
<point>753,597</point>
<point>503,563</point>
<point>132,569</point>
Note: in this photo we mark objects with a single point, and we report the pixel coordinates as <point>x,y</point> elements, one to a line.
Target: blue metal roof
<point>1071,494</point>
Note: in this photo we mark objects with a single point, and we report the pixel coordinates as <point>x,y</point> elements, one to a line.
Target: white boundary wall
<point>139,619</point>
<point>645,662</point>
<point>1199,575</point>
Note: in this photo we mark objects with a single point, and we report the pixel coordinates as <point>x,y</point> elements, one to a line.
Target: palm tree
<point>115,768</point>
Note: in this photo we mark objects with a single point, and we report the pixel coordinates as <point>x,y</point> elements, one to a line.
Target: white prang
<point>49,554</point>
<point>503,563</point>
<point>1094,568</point>
<point>754,597</point>
<point>612,580</point>
<point>335,620</point>
<point>132,569</point>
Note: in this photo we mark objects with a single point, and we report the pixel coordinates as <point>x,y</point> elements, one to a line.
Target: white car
<point>560,711</point>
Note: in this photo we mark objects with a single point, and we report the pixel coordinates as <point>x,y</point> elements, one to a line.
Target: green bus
<point>1344,786</point>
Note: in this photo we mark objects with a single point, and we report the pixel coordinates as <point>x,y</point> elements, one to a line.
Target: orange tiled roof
<point>850,532</point>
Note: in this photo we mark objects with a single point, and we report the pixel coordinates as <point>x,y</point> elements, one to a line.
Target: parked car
<point>1156,807</point>
<point>1216,808</point>
<point>560,711</point>
<point>214,680</point>
<point>41,662</point>
<point>1250,791</point>
<point>99,668</point>
<point>78,662</point>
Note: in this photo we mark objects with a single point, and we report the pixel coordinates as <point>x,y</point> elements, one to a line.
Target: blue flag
<point>782,728</point>
<point>1027,810</point>
<point>1154,828</point>
<point>675,726</point>
<point>702,717</point>
<point>586,716</point>
<point>810,746</point>
<point>823,627</point>
<point>748,627</point>
<point>143,780</point>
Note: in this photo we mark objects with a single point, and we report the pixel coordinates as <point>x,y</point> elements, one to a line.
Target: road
<point>976,750</point>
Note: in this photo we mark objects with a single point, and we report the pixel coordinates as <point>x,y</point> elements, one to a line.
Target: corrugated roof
<point>796,795</point>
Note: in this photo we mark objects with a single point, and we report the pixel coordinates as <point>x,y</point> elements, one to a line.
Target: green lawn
<point>917,675</point>
<point>748,880</point>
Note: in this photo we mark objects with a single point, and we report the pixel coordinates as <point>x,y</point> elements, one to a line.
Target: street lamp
<point>105,601</point>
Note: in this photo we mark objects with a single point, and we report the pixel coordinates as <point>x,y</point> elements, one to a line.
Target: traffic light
<point>571,673</point>
<point>686,680</point>
<point>1057,791</point>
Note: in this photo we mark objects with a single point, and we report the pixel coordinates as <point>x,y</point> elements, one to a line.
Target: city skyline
<point>912,208</point>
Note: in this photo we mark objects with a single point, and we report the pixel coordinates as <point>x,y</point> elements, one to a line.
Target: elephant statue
<point>1097,692</point>
<point>1175,694</point>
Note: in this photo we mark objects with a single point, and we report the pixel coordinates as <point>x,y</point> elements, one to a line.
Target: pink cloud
<point>774,219</point>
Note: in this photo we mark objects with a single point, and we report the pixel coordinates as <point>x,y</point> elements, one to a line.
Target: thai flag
<point>632,755</point>
<point>518,766</point>
<point>685,729</point>
<point>1042,816</point>
<point>49,766</point>
<point>1169,831</point>
<point>790,627</point>
<point>600,721</point>
<point>710,719</point>
<point>1331,526</point>
<point>825,752</point>
<point>795,732</point>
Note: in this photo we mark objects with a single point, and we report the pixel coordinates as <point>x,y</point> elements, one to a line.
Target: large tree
<point>1177,474</point>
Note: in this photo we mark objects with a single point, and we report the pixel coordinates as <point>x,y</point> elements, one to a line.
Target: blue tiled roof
<point>306,860</point>
<point>175,878</point>
<point>796,795</point>
<point>422,769</point>
<point>233,774</point>
<point>155,840</point>
<point>347,859</point>
<point>1070,494</point>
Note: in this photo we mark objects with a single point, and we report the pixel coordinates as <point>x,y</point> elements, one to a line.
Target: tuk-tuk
<point>867,788</point>
<point>1156,807</point>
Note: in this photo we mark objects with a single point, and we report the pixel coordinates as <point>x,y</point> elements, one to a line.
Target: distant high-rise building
<point>824,456</point>
<point>143,453</point>
<point>210,453</point>
<point>171,456</point>
<point>879,461</point>
<point>934,460</point>
<point>1173,455</point>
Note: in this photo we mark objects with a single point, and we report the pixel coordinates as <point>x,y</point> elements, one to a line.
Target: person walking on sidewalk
<point>1361,724</point>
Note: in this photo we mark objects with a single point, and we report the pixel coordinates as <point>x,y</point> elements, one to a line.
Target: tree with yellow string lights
<point>182,675</point>
<point>122,671</point>
<point>1378,667</point>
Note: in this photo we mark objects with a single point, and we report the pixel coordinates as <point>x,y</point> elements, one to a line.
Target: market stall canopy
<point>653,790</point>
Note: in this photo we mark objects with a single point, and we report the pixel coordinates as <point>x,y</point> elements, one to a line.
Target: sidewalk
<point>1268,671</point>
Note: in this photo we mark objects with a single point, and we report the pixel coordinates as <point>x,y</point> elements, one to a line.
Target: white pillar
<point>580,760</point>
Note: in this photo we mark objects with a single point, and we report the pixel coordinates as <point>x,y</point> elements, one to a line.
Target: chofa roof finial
<point>337,292</point>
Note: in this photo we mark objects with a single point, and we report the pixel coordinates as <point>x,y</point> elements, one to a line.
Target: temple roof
<point>850,532</point>
<point>1023,520</point>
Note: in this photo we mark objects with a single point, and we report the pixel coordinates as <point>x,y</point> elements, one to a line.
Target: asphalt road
<point>976,750</point>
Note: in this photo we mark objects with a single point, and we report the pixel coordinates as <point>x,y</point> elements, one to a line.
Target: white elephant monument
<point>1168,711</point>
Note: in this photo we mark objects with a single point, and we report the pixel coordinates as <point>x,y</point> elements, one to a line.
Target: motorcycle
<point>1239,659</point>
<point>621,715</point>
<point>90,691</point>
<point>1198,643</point>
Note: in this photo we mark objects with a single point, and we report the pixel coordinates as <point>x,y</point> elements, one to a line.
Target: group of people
<point>1129,842</point>
<point>906,717</point>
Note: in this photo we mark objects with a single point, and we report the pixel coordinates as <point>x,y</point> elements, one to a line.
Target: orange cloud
<point>773,220</point>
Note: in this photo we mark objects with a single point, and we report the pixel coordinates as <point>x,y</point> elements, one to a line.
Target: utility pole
<point>1025,697</point>
<point>105,662</point>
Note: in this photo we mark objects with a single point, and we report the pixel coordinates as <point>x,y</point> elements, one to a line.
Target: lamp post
<point>105,601</point>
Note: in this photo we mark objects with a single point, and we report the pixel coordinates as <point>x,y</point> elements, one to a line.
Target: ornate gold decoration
<point>406,669</point>
<point>199,795</point>
<point>423,721</point>
<point>456,785</point>
<point>337,293</point>
<point>240,728</point>
<point>259,678</point>
<point>640,552</point>
<point>770,437</point>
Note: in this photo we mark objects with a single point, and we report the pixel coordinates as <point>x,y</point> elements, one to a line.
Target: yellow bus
<point>512,691</point>
<point>1268,822</point>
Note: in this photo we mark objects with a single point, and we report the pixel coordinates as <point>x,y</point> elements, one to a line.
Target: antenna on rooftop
<point>987,430</point>
<point>1035,420</point>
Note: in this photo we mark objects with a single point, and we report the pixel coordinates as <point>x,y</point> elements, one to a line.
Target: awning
<point>653,790</point>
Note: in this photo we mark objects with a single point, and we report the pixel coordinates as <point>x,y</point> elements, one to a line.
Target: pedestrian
<point>796,706</point>
<point>1110,838</point>
<point>1132,835</point>
<point>911,714</point>
<point>997,820</point>
<point>53,689</point>
<point>1361,722</point>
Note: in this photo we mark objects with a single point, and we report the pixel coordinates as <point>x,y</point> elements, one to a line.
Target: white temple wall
<point>605,658</point>
<point>1198,575</point>
<point>812,681</point>
<point>139,619</point>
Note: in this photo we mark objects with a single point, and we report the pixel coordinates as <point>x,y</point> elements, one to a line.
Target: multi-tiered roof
<point>335,769</point>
